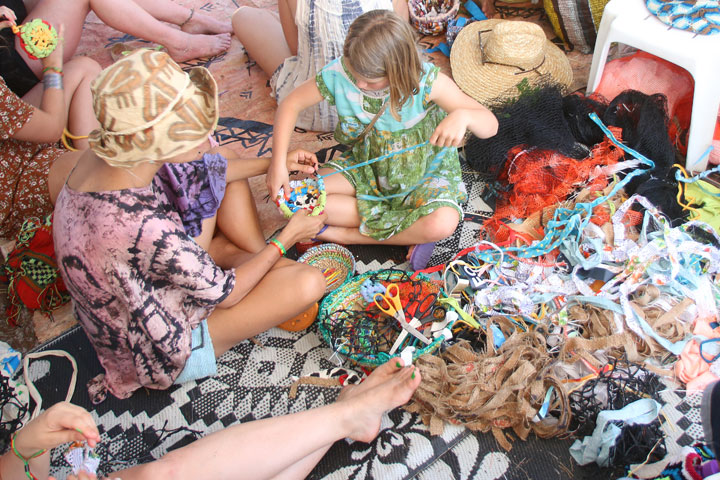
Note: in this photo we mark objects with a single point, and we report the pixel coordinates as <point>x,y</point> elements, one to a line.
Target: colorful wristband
<point>279,246</point>
<point>25,461</point>
<point>53,69</point>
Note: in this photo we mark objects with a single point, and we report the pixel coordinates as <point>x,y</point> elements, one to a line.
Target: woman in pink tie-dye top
<point>167,267</point>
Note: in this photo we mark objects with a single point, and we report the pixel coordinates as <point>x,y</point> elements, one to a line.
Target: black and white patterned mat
<point>253,382</point>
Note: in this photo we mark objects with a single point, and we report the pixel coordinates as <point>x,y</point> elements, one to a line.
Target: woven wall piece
<point>576,21</point>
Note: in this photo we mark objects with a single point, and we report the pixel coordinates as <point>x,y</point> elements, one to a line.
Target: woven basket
<point>430,22</point>
<point>330,258</point>
<point>300,188</point>
<point>348,297</point>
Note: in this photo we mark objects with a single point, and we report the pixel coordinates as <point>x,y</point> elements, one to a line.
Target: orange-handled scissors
<point>389,302</point>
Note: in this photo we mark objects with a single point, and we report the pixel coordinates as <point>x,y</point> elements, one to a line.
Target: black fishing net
<point>614,389</point>
<point>11,411</point>
<point>534,119</point>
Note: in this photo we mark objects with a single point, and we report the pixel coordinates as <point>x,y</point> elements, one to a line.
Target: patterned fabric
<point>576,21</point>
<point>194,189</point>
<point>18,76</point>
<point>418,119</point>
<point>24,167</point>
<point>322,26</point>
<point>139,284</point>
<point>699,16</point>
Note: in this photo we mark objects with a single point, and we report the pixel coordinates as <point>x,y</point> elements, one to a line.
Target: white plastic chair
<point>631,23</point>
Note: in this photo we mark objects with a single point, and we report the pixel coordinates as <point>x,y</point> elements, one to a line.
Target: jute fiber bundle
<point>492,390</point>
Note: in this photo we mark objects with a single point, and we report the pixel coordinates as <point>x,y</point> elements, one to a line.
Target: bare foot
<point>376,377</point>
<point>198,46</point>
<point>368,401</point>
<point>200,23</point>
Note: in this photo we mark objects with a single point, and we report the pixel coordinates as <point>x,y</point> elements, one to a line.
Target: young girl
<point>297,441</point>
<point>158,305</point>
<point>293,48</point>
<point>411,198</point>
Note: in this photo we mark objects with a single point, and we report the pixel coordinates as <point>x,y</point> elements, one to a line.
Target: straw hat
<point>699,16</point>
<point>511,52</point>
<point>150,110</point>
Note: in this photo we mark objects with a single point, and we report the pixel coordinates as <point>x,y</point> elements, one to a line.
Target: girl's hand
<point>302,160</point>
<point>61,423</point>
<point>55,59</point>
<point>451,131</point>
<point>7,18</point>
<point>277,176</point>
<point>302,227</point>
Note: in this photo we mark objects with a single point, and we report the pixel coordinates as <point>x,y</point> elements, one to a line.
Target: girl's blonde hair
<point>381,44</point>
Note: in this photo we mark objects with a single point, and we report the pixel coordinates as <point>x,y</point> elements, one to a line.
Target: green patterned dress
<point>431,175</point>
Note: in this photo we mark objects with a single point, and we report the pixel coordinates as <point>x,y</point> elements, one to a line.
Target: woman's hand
<point>61,423</point>
<point>301,227</point>
<point>302,160</point>
<point>277,176</point>
<point>55,59</point>
<point>451,130</point>
<point>7,18</point>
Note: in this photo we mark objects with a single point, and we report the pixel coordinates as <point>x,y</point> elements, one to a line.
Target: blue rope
<point>566,221</point>
<point>431,169</point>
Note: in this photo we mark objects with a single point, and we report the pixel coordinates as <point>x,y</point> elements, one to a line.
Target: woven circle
<point>336,262</point>
<point>332,319</point>
<point>308,194</point>
<point>431,17</point>
<point>513,54</point>
<point>38,38</point>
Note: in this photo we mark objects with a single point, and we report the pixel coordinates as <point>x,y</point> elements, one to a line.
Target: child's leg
<point>344,219</point>
<point>288,289</point>
<point>262,35</point>
<point>287,446</point>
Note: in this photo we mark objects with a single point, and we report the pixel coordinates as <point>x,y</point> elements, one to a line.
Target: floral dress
<point>395,192</point>
<point>24,167</point>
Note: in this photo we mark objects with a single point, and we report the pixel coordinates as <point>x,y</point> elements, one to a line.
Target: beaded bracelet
<point>25,461</point>
<point>279,246</point>
<point>57,70</point>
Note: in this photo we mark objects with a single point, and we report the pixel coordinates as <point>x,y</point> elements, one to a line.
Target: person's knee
<point>240,18</point>
<point>82,68</point>
<point>310,284</point>
<point>441,224</point>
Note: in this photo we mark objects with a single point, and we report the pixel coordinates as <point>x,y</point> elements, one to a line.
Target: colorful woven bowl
<point>347,298</point>
<point>431,17</point>
<point>308,194</point>
<point>336,262</point>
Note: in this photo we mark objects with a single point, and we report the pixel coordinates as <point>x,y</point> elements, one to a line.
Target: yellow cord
<point>681,188</point>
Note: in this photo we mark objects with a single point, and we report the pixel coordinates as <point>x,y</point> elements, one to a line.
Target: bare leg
<point>238,451</point>
<point>237,217</point>
<point>344,219</point>
<point>78,74</point>
<point>171,12</point>
<point>288,289</point>
<point>128,17</point>
<point>262,35</point>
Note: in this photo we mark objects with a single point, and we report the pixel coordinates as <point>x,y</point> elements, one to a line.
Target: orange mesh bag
<point>541,178</point>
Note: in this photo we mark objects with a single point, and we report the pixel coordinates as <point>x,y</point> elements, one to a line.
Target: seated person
<point>146,293</point>
<point>199,35</point>
<point>306,37</point>
<point>33,166</point>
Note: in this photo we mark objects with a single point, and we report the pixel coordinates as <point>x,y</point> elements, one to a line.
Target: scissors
<point>389,303</point>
